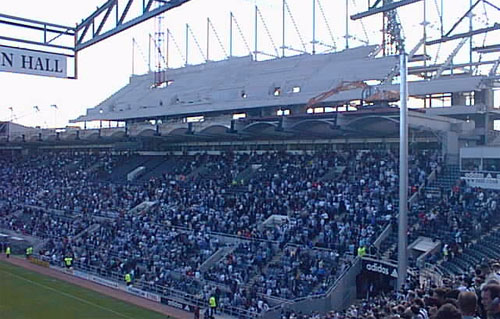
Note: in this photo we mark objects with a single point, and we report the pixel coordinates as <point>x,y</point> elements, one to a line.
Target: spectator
<point>448,311</point>
<point>298,221</point>
<point>490,297</point>
<point>467,302</point>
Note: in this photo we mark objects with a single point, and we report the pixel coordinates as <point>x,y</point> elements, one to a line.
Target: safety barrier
<point>339,296</point>
<point>157,293</point>
<point>136,173</point>
<point>342,291</point>
<point>37,261</point>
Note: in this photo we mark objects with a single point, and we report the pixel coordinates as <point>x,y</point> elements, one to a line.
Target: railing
<point>196,300</point>
<point>235,238</point>
<point>339,295</point>
<point>71,214</point>
<point>176,293</point>
<point>131,176</point>
<point>162,291</point>
<point>421,187</point>
<point>92,228</point>
<point>430,274</point>
<point>385,233</point>
<point>327,298</point>
<point>143,207</point>
<point>218,255</point>
<point>58,212</point>
<point>271,299</point>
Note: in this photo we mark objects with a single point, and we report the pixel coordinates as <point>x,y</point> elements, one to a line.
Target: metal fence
<point>167,293</point>
<point>339,296</point>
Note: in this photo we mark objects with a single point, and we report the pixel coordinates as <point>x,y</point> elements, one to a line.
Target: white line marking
<point>67,295</point>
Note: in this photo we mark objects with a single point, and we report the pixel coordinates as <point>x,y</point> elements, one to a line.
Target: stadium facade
<point>306,97</point>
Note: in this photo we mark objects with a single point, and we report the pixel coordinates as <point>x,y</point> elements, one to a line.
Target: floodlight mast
<point>403,169</point>
<point>389,6</point>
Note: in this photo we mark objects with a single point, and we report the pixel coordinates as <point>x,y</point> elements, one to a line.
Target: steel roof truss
<point>148,10</point>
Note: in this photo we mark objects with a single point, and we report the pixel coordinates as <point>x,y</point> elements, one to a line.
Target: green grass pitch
<point>28,295</point>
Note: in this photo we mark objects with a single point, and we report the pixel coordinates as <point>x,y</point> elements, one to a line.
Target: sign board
<point>143,294</point>
<point>177,304</point>
<point>115,285</point>
<point>380,268</point>
<point>39,262</point>
<point>32,62</point>
<point>483,180</point>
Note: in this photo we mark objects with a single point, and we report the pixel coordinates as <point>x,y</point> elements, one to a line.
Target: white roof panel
<point>218,86</point>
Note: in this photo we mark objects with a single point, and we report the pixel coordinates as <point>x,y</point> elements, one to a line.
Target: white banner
<point>483,180</point>
<point>143,294</point>
<point>104,282</point>
<point>32,62</point>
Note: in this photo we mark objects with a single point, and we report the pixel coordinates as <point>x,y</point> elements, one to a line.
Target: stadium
<point>358,181</point>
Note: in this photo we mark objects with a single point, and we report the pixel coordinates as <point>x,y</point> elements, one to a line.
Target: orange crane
<point>343,86</point>
<point>375,94</point>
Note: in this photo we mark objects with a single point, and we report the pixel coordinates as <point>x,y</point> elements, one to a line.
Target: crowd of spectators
<point>473,295</point>
<point>42,224</point>
<point>329,204</point>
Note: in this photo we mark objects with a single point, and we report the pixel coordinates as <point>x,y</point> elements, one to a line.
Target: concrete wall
<point>339,297</point>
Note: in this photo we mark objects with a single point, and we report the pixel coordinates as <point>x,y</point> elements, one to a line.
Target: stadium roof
<point>240,84</point>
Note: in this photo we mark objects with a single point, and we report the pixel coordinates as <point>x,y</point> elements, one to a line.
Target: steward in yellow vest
<point>68,262</point>
<point>128,279</point>
<point>29,252</point>
<point>213,305</point>
<point>361,251</point>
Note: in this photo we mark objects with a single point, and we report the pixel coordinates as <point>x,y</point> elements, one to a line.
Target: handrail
<point>333,284</point>
<point>243,238</point>
<point>430,178</point>
<point>185,295</point>
<point>434,268</point>
<point>161,290</point>
<point>385,233</point>
<point>434,273</point>
<point>325,294</point>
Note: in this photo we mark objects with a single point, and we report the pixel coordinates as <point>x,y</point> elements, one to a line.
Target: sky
<point>106,67</point>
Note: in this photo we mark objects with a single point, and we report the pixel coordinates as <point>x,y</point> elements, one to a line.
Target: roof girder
<point>124,19</point>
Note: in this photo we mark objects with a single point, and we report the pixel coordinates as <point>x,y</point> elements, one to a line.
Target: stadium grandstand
<point>248,188</point>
